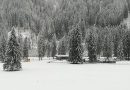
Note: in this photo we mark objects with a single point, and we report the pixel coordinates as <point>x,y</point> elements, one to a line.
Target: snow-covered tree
<point>20,41</point>
<point>13,55</point>
<point>126,45</point>
<point>99,42</point>
<point>62,47</point>
<point>48,47</point>
<point>25,49</point>
<point>75,47</point>
<point>107,48</point>
<point>120,53</point>
<point>41,45</point>
<point>40,49</point>
<point>107,43</point>
<point>91,45</point>
<point>53,46</point>
<point>2,48</point>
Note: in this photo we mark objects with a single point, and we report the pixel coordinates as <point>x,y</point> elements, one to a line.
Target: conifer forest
<point>64,44</point>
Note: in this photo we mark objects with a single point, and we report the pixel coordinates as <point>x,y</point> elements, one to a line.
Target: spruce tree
<point>21,43</point>
<point>41,46</point>
<point>126,45</point>
<point>40,49</point>
<point>107,43</point>
<point>54,51</point>
<point>120,50</point>
<point>99,42</point>
<point>91,46</point>
<point>48,47</point>
<point>120,53</point>
<point>76,50</point>
<point>13,55</point>
<point>62,47</point>
<point>2,48</point>
<point>25,49</point>
<point>107,48</point>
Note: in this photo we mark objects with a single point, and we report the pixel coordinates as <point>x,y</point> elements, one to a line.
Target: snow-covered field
<point>41,75</point>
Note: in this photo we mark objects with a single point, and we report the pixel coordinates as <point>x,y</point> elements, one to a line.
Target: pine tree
<point>54,51</point>
<point>107,50</point>
<point>40,49</point>
<point>41,46</point>
<point>99,42</point>
<point>25,49</point>
<point>20,41</point>
<point>120,53</point>
<point>91,46</point>
<point>2,48</point>
<point>107,43</point>
<point>126,45</point>
<point>13,55</point>
<point>62,47</point>
<point>48,47</point>
<point>76,50</point>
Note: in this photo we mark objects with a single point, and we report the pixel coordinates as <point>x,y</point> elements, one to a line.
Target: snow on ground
<point>59,75</point>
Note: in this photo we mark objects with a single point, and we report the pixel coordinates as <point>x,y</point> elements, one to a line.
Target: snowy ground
<point>41,75</point>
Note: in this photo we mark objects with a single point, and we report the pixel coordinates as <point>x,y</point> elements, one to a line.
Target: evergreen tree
<point>25,49</point>
<point>91,46</point>
<point>76,49</point>
<point>39,49</point>
<point>107,50</point>
<point>13,55</point>
<point>41,46</point>
<point>3,42</point>
<point>20,41</point>
<point>2,48</point>
<point>99,42</point>
<point>126,45</point>
<point>48,47</point>
<point>62,47</point>
<point>120,53</point>
<point>107,43</point>
<point>54,51</point>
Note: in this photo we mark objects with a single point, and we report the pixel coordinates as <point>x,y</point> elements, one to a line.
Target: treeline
<point>109,41</point>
